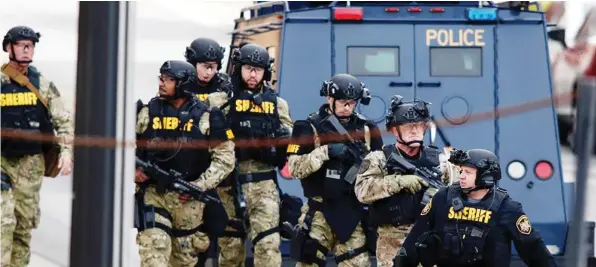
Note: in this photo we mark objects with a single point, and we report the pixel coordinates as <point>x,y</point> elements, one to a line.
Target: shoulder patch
<point>364,166</point>
<point>427,208</point>
<point>523,225</point>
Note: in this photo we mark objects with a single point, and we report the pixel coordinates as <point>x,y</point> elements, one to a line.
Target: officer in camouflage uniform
<point>206,55</point>
<point>170,234</point>
<point>23,163</point>
<point>396,197</point>
<point>332,218</point>
<point>255,113</point>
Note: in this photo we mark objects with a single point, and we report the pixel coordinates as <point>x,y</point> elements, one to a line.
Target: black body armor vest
<point>21,110</point>
<point>404,207</point>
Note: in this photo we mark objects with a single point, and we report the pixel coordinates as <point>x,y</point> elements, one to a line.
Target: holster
<point>51,155</point>
<point>303,248</point>
<point>215,217</point>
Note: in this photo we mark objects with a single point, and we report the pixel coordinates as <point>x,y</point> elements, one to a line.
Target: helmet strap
<point>13,58</point>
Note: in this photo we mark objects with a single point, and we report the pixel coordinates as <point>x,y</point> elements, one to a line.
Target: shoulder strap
<point>500,196</point>
<point>387,150</point>
<point>23,81</point>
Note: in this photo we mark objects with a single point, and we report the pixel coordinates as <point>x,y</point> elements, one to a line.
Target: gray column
<point>577,245</point>
<point>102,203</point>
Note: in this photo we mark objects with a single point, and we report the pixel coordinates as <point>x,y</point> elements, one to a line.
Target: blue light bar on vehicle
<point>482,14</point>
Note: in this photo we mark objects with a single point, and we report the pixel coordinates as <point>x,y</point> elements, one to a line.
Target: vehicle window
<point>373,61</point>
<point>455,61</point>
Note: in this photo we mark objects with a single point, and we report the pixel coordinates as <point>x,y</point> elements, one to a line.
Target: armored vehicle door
<point>381,56</point>
<point>455,71</point>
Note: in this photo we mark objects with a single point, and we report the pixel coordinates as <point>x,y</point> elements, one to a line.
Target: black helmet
<point>485,162</point>
<point>406,112</point>
<point>19,33</point>
<point>346,86</point>
<point>256,56</point>
<point>183,72</point>
<point>204,50</point>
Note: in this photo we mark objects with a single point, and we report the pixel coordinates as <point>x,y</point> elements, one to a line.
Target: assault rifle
<point>173,180</point>
<point>432,177</point>
<point>239,200</point>
<point>356,148</point>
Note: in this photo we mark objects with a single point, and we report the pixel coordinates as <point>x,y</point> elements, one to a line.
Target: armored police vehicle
<point>484,68</point>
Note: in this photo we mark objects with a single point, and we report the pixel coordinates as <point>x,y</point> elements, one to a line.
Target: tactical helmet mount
<point>19,33</point>
<point>401,112</point>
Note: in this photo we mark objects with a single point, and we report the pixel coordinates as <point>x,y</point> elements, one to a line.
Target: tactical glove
<point>411,183</point>
<point>335,150</point>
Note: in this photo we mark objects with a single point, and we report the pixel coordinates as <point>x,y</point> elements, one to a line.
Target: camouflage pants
<point>390,239</point>
<point>158,248</point>
<point>8,225</point>
<point>26,174</point>
<point>262,204</point>
<point>321,231</point>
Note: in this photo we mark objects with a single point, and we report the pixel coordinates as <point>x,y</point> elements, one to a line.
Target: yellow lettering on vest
<point>488,214</point>
<point>256,109</point>
<point>188,125</point>
<point>202,97</point>
<point>293,148</point>
<point>470,214</point>
<point>245,105</point>
<point>172,123</point>
<point>156,124</point>
<point>465,213</point>
<point>454,37</point>
<point>18,99</point>
<point>229,134</point>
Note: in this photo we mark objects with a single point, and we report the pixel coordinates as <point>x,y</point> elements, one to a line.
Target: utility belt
<point>266,155</point>
<point>464,247</point>
<point>144,218</point>
<point>304,248</point>
<point>249,178</point>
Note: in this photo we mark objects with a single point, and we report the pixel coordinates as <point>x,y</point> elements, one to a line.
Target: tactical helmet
<point>183,72</point>
<point>20,33</point>
<point>346,86</point>
<point>204,50</point>
<point>406,112</point>
<point>485,162</point>
<point>256,56</point>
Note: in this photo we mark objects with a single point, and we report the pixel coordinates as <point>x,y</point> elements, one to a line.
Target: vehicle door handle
<point>429,84</point>
<point>401,84</point>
